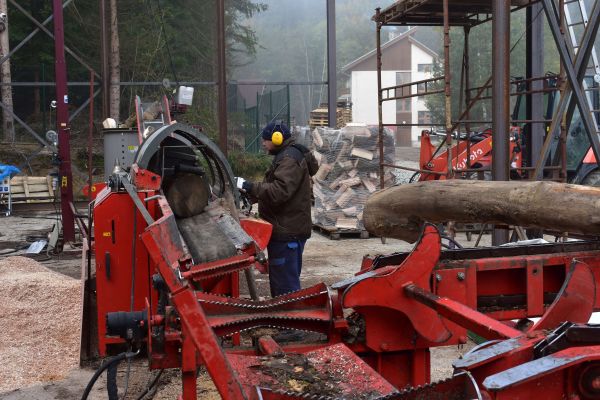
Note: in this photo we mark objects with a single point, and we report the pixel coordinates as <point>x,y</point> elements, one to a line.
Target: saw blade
<point>461,386</point>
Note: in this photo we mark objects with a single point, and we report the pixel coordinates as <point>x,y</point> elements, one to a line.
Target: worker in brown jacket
<point>284,200</point>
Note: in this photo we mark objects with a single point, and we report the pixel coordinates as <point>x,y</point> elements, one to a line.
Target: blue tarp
<point>8,170</point>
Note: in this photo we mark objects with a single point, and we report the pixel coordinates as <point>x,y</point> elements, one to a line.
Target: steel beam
<point>104,59</point>
<point>222,76</point>
<point>447,88</point>
<point>574,85</point>
<point>331,66</point>
<point>585,47</point>
<point>83,106</point>
<point>27,127</point>
<point>62,122</point>
<point>500,100</point>
<point>52,36</point>
<point>553,132</point>
<point>534,68</point>
<point>379,96</point>
<point>31,35</point>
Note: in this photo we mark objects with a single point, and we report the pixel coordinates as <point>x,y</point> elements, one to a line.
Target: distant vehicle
<point>477,149</point>
<point>582,167</point>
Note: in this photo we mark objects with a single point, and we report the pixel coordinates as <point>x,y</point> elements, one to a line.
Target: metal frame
<point>448,13</point>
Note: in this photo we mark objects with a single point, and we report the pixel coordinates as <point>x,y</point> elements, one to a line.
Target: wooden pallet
<point>334,233</point>
<point>31,189</point>
<point>320,117</point>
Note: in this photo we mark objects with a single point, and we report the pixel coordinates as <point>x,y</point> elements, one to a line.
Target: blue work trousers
<point>285,265</point>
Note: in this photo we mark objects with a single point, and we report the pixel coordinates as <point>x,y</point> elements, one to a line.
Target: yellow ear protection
<point>277,138</point>
<point>277,135</point>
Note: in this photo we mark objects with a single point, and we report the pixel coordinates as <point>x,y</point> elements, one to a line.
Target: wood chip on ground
<point>40,323</point>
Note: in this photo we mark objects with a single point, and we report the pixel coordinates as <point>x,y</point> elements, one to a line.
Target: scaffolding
<point>574,51</point>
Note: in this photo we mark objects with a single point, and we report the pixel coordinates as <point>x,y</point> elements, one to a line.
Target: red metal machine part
<point>117,265</point>
<point>403,317</point>
<point>477,150</point>
<point>125,207</point>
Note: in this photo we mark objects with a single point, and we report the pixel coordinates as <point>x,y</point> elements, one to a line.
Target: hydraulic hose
<point>151,389</point>
<point>113,361</point>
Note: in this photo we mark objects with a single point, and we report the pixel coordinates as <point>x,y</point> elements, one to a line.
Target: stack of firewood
<point>348,173</point>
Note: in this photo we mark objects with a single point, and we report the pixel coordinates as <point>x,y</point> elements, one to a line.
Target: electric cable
<point>115,360</point>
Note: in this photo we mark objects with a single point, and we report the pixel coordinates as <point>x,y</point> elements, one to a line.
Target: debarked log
<point>400,211</point>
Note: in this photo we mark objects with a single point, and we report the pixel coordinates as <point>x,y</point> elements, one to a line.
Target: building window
<point>403,105</point>
<point>424,118</point>
<point>421,89</point>
<point>424,68</point>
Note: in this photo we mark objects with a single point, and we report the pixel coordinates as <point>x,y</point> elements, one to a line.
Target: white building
<point>404,59</point>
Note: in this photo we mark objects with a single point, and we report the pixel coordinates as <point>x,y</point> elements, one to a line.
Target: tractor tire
<point>592,179</point>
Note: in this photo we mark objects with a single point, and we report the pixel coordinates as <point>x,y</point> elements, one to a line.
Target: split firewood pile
<point>40,323</point>
<point>348,173</point>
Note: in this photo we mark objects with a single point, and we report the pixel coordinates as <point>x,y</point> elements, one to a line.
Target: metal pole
<point>562,145</point>
<point>379,98</point>
<point>222,76</point>
<point>62,124</point>
<point>331,66</point>
<point>289,105</point>
<point>467,31</point>
<point>534,68</point>
<point>447,92</point>
<point>500,99</point>
<point>91,137</point>
<point>467,91</point>
<point>104,59</point>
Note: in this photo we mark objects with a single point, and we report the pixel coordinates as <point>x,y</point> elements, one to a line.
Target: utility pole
<point>62,125</point>
<point>8,126</point>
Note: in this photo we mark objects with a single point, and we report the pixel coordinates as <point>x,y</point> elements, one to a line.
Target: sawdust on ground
<point>40,323</point>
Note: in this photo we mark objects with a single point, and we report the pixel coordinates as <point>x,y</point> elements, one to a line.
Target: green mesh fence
<point>269,104</point>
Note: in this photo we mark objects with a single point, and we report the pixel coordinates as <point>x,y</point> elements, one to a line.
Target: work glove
<point>242,184</point>
<point>239,182</point>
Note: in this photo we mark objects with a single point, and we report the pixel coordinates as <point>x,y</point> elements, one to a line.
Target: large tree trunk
<point>6,91</point>
<point>400,211</point>
<point>115,63</point>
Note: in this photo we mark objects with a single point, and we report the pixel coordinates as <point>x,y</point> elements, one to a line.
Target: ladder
<point>151,116</point>
<point>576,19</point>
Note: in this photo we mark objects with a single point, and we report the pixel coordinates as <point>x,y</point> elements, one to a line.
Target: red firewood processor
<point>169,242</point>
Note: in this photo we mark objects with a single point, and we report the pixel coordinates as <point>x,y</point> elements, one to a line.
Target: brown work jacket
<point>284,195</point>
